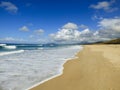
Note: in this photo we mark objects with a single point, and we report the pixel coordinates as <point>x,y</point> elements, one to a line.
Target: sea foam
<point>22,70</point>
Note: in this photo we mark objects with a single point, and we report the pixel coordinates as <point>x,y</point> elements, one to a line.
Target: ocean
<point>23,66</point>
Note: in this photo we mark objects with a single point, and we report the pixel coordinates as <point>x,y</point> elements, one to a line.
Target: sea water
<point>25,65</point>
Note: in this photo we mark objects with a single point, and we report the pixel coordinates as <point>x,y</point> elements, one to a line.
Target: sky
<point>59,21</point>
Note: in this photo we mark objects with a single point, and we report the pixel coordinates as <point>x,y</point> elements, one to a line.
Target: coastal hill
<point>115,41</point>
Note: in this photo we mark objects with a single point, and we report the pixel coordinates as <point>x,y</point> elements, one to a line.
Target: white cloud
<point>105,5</point>
<point>9,6</point>
<point>109,28</point>
<point>72,35</point>
<point>70,26</point>
<point>39,32</point>
<point>68,32</point>
<point>24,29</point>
<point>96,33</point>
<point>86,31</point>
<point>110,24</point>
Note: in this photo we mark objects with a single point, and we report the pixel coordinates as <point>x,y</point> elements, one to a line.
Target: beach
<point>96,68</point>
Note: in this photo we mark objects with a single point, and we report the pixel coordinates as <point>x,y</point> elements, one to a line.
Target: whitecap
<point>10,47</point>
<point>2,44</point>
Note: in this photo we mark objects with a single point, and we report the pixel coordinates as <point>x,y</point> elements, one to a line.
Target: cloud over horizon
<point>108,28</point>
<point>69,33</point>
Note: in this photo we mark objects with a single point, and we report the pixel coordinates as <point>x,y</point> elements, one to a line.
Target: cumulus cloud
<point>24,29</point>
<point>108,29</point>
<point>70,26</point>
<point>71,35</point>
<point>10,7</point>
<point>110,24</point>
<point>67,33</point>
<point>86,31</point>
<point>105,5</point>
<point>96,33</point>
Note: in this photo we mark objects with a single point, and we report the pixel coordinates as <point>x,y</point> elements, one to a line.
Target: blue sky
<point>65,21</point>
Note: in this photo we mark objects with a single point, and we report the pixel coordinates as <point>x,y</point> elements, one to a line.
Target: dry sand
<point>96,68</point>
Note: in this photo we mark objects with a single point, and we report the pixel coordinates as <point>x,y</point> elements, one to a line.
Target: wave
<point>2,44</point>
<point>9,47</point>
<point>11,52</point>
<point>5,46</point>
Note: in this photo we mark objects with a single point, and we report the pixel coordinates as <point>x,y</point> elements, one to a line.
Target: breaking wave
<point>11,52</point>
<point>10,47</point>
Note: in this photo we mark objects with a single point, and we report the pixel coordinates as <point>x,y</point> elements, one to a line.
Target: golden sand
<point>96,68</point>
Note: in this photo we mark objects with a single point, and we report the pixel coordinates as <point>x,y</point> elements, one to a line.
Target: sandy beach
<point>96,68</point>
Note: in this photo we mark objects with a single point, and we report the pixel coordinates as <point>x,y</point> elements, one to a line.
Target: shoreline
<point>92,70</point>
<point>61,69</point>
